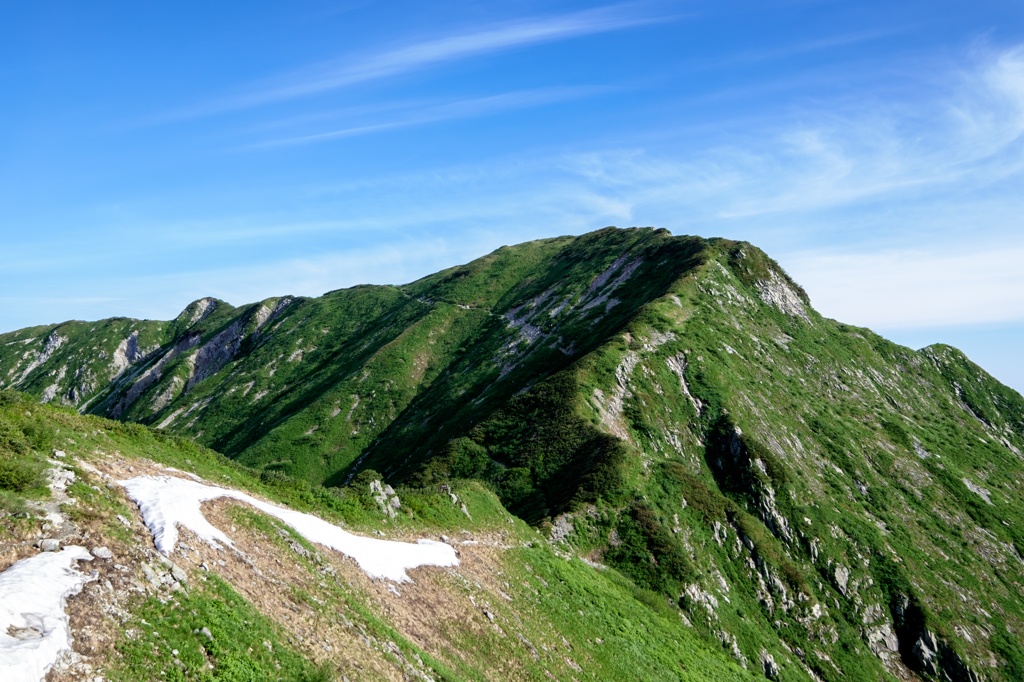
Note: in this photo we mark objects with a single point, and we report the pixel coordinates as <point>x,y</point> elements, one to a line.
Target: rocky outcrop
<point>979,491</point>
<point>753,471</point>
<point>677,363</point>
<point>923,650</point>
<point>52,343</point>
<point>166,396</point>
<point>775,291</point>
<point>611,406</point>
<point>126,354</point>
<point>562,528</point>
<point>882,641</point>
<point>153,374</point>
<point>384,495</point>
<point>769,666</point>
<point>215,353</point>
<point>200,310</point>
<point>265,315</point>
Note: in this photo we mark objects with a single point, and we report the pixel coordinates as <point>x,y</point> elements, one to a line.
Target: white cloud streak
<point>972,135</point>
<point>914,289</point>
<point>352,69</point>
<point>467,108</point>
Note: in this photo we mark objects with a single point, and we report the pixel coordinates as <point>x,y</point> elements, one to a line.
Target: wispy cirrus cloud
<point>968,135</point>
<point>350,69</point>
<point>466,108</point>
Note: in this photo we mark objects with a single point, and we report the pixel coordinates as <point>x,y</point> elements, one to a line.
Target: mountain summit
<point>815,501</point>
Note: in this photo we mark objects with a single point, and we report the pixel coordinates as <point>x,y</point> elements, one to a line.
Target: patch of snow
<point>168,502</point>
<point>34,629</point>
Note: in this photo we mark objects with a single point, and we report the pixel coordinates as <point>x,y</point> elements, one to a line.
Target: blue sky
<point>151,155</point>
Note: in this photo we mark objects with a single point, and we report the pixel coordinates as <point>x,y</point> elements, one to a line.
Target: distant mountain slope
<point>671,406</point>
<point>309,386</point>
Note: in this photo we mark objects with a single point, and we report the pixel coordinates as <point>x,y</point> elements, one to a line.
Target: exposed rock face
<point>126,354</point>
<point>385,496</point>
<point>768,664</point>
<point>215,354</point>
<point>978,490</point>
<point>755,474</point>
<point>842,574</point>
<point>561,529</point>
<point>926,652</point>
<point>202,309</point>
<point>610,407</point>
<point>882,640</point>
<point>677,363</point>
<point>700,597</point>
<point>775,291</point>
<point>266,315</point>
<point>53,342</point>
<point>164,398</point>
<point>50,392</point>
<point>153,374</point>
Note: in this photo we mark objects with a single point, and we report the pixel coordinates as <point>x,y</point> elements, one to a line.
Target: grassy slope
<point>855,457</point>
<point>581,622</point>
<point>840,516</point>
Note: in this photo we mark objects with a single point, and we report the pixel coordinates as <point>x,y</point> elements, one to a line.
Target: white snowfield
<point>34,629</point>
<point>167,502</point>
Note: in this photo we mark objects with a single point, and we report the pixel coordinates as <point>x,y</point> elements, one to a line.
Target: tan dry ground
<point>439,606</point>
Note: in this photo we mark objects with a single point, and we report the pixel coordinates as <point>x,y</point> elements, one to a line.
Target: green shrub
<point>11,503</point>
<point>12,439</point>
<point>897,434</point>
<point>711,505</point>
<point>648,553</point>
<point>21,474</point>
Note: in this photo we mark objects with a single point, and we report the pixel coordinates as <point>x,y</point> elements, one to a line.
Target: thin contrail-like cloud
<point>349,70</point>
<point>467,108</point>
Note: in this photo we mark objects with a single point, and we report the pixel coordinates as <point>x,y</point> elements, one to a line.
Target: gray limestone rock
<point>842,578</point>
<point>178,573</point>
<point>561,529</point>
<point>768,664</point>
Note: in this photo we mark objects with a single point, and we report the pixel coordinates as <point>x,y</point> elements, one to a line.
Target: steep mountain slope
<point>817,501</point>
<point>311,386</point>
<point>266,604</point>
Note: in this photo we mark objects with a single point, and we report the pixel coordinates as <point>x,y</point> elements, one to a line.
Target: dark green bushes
<point>537,453</point>
<point>21,469</point>
<point>897,434</point>
<point>712,506</point>
<point>21,474</point>
<point>648,553</point>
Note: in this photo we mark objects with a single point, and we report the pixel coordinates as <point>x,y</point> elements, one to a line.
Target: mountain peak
<point>671,406</point>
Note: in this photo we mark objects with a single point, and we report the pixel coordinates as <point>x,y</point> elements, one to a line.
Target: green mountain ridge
<point>673,407</point>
